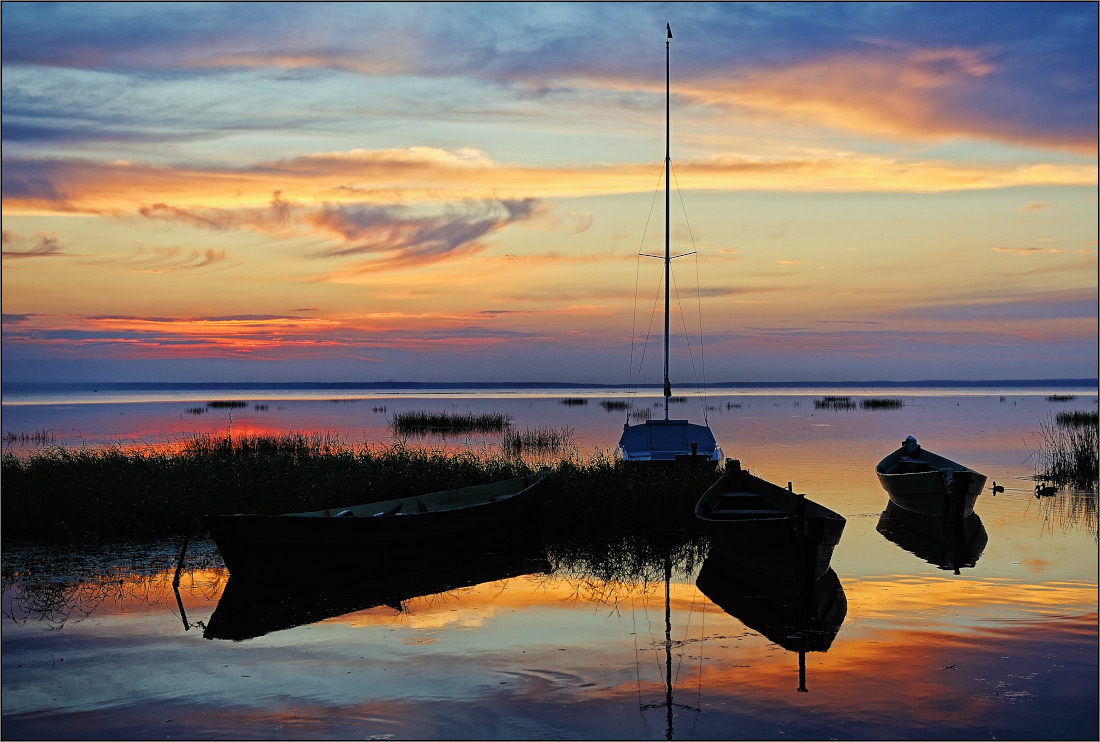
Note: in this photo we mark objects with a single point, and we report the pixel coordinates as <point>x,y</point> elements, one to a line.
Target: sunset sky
<point>375,192</point>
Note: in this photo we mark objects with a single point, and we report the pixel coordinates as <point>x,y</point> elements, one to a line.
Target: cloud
<point>403,238</point>
<point>1033,206</point>
<point>1027,250</point>
<point>42,245</point>
<point>274,218</point>
<point>903,92</point>
<point>170,259</point>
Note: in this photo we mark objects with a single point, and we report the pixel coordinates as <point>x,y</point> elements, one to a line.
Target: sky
<point>467,192</point>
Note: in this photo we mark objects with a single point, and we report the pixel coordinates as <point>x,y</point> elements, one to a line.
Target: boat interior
<point>454,499</point>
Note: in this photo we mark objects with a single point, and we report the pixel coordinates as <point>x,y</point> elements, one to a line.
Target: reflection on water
<point>1070,510</point>
<point>798,617</point>
<point>607,636</point>
<point>252,606</point>
<point>950,543</point>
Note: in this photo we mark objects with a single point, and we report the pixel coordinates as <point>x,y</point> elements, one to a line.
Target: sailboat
<point>668,440</point>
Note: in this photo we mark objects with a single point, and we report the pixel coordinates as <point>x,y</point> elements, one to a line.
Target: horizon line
<point>393,384</point>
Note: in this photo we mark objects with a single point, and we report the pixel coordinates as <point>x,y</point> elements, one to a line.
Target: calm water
<point>95,644</point>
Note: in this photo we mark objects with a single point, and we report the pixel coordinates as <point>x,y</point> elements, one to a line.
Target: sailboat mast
<point>668,259</point>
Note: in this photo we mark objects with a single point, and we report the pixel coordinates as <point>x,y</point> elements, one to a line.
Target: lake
<point>998,640</point>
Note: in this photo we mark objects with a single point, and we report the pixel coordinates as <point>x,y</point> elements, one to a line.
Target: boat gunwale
<point>377,508</point>
<point>704,507</point>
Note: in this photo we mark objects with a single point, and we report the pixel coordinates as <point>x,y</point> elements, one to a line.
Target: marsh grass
<point>538,442</point>
<point>1076,419</point>
<point>100,494</point>
<point>38,437</point>
<point>881,403</point>
<point>446,423</point>
<point>1068,451</point>
<point>834,403</point>
<point>224,404</point>
<point>641,415</point>
<point>574,401</point>
<point>614,405</point>
<point>1061,397</point>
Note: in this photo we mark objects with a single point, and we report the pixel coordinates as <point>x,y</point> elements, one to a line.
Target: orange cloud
<point>898,92</point>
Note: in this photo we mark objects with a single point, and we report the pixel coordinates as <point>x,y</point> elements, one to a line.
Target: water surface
<point>95,644</point>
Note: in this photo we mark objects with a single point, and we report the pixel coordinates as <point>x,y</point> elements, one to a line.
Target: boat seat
<point>749,511</point>
<point>912,466</point>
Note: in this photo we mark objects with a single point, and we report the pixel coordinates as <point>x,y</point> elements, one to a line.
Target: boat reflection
<point>254,605</point>
<point>798,617</point>
<point>950,543</point>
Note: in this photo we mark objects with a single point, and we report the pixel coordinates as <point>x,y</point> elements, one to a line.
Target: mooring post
<point>179,562</point>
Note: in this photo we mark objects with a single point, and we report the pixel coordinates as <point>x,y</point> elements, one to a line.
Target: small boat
<point>376,535</point>
<point>948,543</point>
<point>766,528</point>
<point>668,441</point>
<point>926,483</point>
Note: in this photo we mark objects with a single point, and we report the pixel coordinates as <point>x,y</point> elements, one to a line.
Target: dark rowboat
<point>766,528</point>
<point>927,483</point>
<point>375,535</point>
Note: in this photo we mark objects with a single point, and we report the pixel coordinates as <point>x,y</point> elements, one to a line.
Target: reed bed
<point>614,405</point>
<point>226,404</point>
<point>1061,397</point>
<point>834,403</point>
<point>538,442</point>
<point>1076,419</point>
<point>38,437</point>
<point>447,423</point>
<point>1068,452</point>
<point>881,403</point>
<point>110,493</point>
<point>574,401</point>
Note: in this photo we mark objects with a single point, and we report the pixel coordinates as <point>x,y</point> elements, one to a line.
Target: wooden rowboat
<point>927,483</point>
<point>375,535</point>
<point>768,529</point>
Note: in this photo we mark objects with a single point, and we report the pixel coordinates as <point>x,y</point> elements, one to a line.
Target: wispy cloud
<point>1028,250</point>
<point>399,238</point>
<point>41,245</point>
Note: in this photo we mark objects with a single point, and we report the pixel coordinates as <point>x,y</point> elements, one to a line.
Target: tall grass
<point>1076,419</point>
<point>447,423</point>
<point>614,405</point>
<point>114,493</point>
<point>223,404</point>
<point>1068,452</point>
<point>575,401</point>
<point>539,442</point>
<point>97,494</point>
<point>834,403</point>
<point>38,437</point>
<point>881,403</point>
